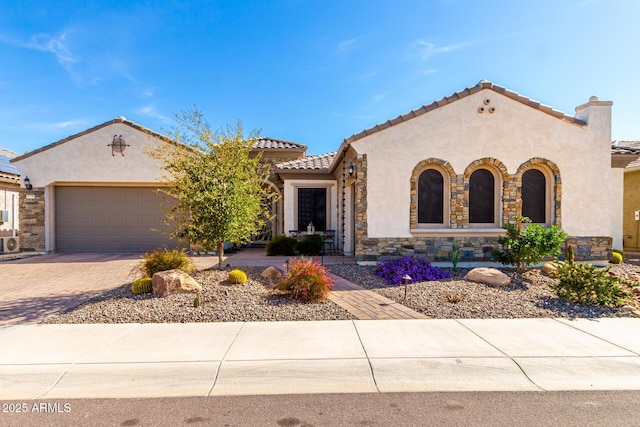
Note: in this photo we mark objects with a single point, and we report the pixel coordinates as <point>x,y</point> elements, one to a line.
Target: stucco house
<point>453,170</point>
<point>9,213</point>
<point>630,223</point>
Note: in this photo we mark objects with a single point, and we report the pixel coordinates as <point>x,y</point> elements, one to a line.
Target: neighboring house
<point>454,170</point>
<point>9,212</point>
<point>631,224</point>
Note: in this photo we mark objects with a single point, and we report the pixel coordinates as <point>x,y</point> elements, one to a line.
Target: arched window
<point>482,206</point>
<point>431,197</point>
<point>534,196</point>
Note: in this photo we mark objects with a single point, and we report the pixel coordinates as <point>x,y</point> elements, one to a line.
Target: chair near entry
<point>329,246</point>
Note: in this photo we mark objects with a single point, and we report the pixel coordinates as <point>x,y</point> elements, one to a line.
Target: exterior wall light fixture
<point>351,169</point>
<point>118,145</point>
<point>27,183</point>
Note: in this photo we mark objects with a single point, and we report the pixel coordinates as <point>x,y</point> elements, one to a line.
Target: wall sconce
<point>118,145</point>
<point>27,183</point>
<point>351,169</point>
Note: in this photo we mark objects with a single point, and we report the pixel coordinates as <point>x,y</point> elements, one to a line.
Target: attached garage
<point>109,219</point>
<point>95,192</point>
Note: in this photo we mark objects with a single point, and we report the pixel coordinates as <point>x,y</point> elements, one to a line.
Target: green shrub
<point>456,253</point>
<point>164,260</point>
<point>616,258</point>
<point>311,245</point>
<point>237,277</point>
<point>587,284</point>
<point>306,280</point>
<point>282,245</point>
<point>524,246</point>
<point>142,285</point>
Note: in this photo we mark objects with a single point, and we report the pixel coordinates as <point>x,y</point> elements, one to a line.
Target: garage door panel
<point>109,219</point>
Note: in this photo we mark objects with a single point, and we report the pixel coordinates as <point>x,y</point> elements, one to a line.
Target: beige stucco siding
<point>88,159</point>
<point>512,134</point>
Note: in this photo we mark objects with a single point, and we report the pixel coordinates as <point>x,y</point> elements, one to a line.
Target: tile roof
<point>627,147</point>
<point>277,144</point>
<point>8,153</point>
<point>482,84</point>
<point>320,162</point>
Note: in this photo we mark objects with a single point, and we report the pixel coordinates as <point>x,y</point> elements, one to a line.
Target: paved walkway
<point>362,303</point>
<point>207,359</point>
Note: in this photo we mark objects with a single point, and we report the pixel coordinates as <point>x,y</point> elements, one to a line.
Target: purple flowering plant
<point>420,269</point>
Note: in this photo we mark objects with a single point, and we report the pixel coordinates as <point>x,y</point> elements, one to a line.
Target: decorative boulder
<point>550,268</point>
<point>174,282</point>
<point>489,276</point>
<point>272,273</point>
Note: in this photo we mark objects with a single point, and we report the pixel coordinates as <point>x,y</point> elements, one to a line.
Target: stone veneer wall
<point>476,248</point>
<point>32,217</point>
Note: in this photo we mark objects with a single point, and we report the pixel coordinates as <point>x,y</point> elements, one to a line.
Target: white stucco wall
<point>9,202</point>
<point>513,134</point>
<point>88,159</point>
<point>290,201</point>
<point>617,201</point>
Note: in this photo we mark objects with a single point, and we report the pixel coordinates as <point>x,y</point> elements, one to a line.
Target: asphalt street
<point>571,408</point>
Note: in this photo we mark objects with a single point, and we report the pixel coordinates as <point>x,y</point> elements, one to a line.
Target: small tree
<point>217,187</point>
<point>527,245</point>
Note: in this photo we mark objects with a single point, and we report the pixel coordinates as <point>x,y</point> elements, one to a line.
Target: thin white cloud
<point>429,71</point>
<point>150,111</point>
<point>425,49</point>
<point>379,97</point>
<point>346,47</point>
<point>584,3</point>
<point>58,45</point>
<point>48,126</point>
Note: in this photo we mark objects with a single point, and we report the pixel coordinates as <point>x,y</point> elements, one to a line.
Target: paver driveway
<point>33,288</point>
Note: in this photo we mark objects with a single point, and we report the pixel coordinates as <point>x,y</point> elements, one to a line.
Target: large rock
<point>490,276</point>
<point>551,268</point>
<point>272,273</point>
<point>174,282</point>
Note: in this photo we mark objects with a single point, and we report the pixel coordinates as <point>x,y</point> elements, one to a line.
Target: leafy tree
<point>217,187</point>
<point>524,246</point>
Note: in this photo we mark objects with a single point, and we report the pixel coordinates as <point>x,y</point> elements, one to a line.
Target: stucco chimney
<point>597,115</point>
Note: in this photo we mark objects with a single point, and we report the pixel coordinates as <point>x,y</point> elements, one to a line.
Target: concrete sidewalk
<point>202,359</point>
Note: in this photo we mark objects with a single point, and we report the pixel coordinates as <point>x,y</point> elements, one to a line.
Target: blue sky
<point>313,72</point>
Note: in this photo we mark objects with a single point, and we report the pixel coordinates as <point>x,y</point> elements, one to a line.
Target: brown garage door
<point>109,219</point>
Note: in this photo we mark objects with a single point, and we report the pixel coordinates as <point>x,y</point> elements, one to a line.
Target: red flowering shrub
<point>307,280</point>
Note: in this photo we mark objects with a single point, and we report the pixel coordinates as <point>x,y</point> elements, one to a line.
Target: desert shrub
<point>165,259</point>
<point>420,269</point>
<point>526,245</point>
<point>306,280</point>
<point>588,284</point>
<point>142,285</point>
<point>282,245</point>
<point>237,277</point>
<point>616,258</point>
<point>311,245</point>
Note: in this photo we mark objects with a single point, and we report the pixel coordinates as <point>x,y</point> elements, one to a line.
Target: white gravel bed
<point>220,302</point>
<point>529,295</point>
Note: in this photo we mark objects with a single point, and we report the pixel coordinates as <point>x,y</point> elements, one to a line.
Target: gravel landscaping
<point>528,296</point>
